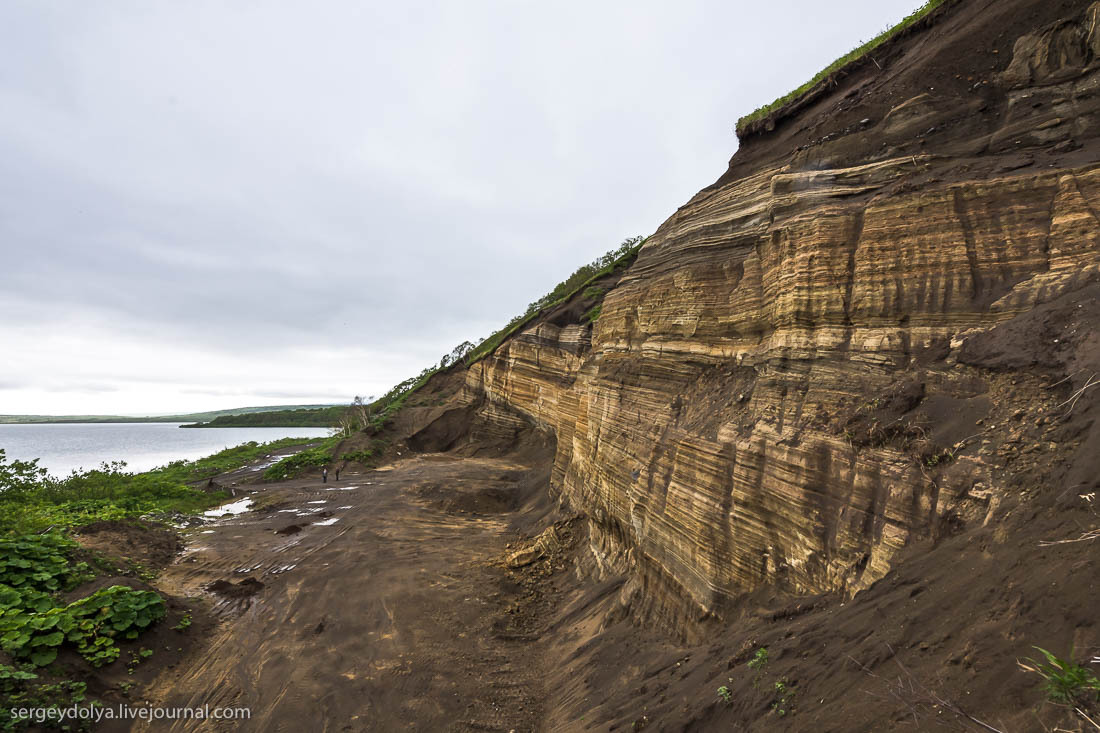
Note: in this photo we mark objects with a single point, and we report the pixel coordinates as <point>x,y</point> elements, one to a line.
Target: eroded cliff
<point>777,392</point>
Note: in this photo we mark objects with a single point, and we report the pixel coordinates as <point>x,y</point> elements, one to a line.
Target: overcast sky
<point>216,204</point>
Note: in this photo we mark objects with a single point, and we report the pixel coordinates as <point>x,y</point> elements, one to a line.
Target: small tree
<point>457,354</point>
<point>357,417</point>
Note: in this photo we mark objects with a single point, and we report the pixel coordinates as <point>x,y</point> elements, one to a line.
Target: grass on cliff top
<point>853,55</point>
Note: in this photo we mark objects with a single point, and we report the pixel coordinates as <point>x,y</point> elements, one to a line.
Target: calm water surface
<point>62,448</point>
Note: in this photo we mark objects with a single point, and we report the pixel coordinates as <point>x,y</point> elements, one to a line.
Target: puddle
<point>271,461</point>
<point>207,531</point>
<point>327,522</point>
<point>319,501</point>
<point>345,507</point>
<point>341,488</point>
<point>237,507</point>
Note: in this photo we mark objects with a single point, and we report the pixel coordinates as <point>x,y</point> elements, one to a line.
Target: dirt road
<point>376,609</point>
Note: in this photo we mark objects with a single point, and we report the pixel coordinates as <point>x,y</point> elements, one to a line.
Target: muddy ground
<point>377,602</point>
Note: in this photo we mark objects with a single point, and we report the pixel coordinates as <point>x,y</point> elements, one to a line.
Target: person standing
<point>337,475</point>
<point>324,475</point>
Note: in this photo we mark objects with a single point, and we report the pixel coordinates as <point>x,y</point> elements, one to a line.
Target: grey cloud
<point>246,179</point>
<point>80,387</point>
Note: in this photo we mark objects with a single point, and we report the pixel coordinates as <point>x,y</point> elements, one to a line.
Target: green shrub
<point>593,291</point>
<point>759,665</point>
<point>108,492</point>
<point>365,456</point>
<point>19,476</point>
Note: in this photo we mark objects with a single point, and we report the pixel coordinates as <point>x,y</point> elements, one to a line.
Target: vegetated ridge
<point>290,417</point>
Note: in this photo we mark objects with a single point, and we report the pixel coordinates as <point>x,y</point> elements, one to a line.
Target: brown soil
<point>838,125</point>
<point>150,545</point>
<point>243,589</point>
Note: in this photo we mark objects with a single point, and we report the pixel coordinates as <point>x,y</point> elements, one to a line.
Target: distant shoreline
<point>291,415</point>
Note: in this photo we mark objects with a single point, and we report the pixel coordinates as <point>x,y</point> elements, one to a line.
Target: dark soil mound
<point>148,544</point>
<point>244,589</point>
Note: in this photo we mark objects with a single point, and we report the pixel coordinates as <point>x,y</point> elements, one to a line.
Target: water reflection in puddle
<point>237,507</point>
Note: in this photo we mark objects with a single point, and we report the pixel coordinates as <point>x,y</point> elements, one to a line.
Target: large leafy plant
<point>34,623</point>
<point>93,625</point>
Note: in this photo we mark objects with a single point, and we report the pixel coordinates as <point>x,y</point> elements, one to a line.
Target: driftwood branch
<point>1092,534</point>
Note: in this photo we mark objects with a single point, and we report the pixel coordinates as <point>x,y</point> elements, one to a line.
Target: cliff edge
<point>863,358</point>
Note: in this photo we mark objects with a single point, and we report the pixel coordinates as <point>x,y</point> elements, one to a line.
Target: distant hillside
<point>187,418</point>
<point>295,417</point>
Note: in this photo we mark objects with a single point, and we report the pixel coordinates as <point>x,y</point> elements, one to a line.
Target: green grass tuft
<point>1065,682</point>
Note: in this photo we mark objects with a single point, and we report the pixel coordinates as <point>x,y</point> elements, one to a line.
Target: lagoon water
<point>64,447</point>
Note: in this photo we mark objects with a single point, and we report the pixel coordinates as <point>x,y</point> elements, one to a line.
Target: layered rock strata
<point>713,423</point>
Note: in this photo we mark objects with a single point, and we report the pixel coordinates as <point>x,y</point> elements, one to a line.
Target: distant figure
<point>338,474</point>
<point>324,475</point>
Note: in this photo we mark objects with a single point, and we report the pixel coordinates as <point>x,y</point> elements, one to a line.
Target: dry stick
<point>1071,376</point>
<point>1077,395</point>
<point>1082,714</point>
<point>947,704</point>
<point>919,691</point>
<point>962,443</point>
<point>1092,534</point>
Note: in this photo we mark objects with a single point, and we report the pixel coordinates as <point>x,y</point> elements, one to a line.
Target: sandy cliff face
<point>773,393</point>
